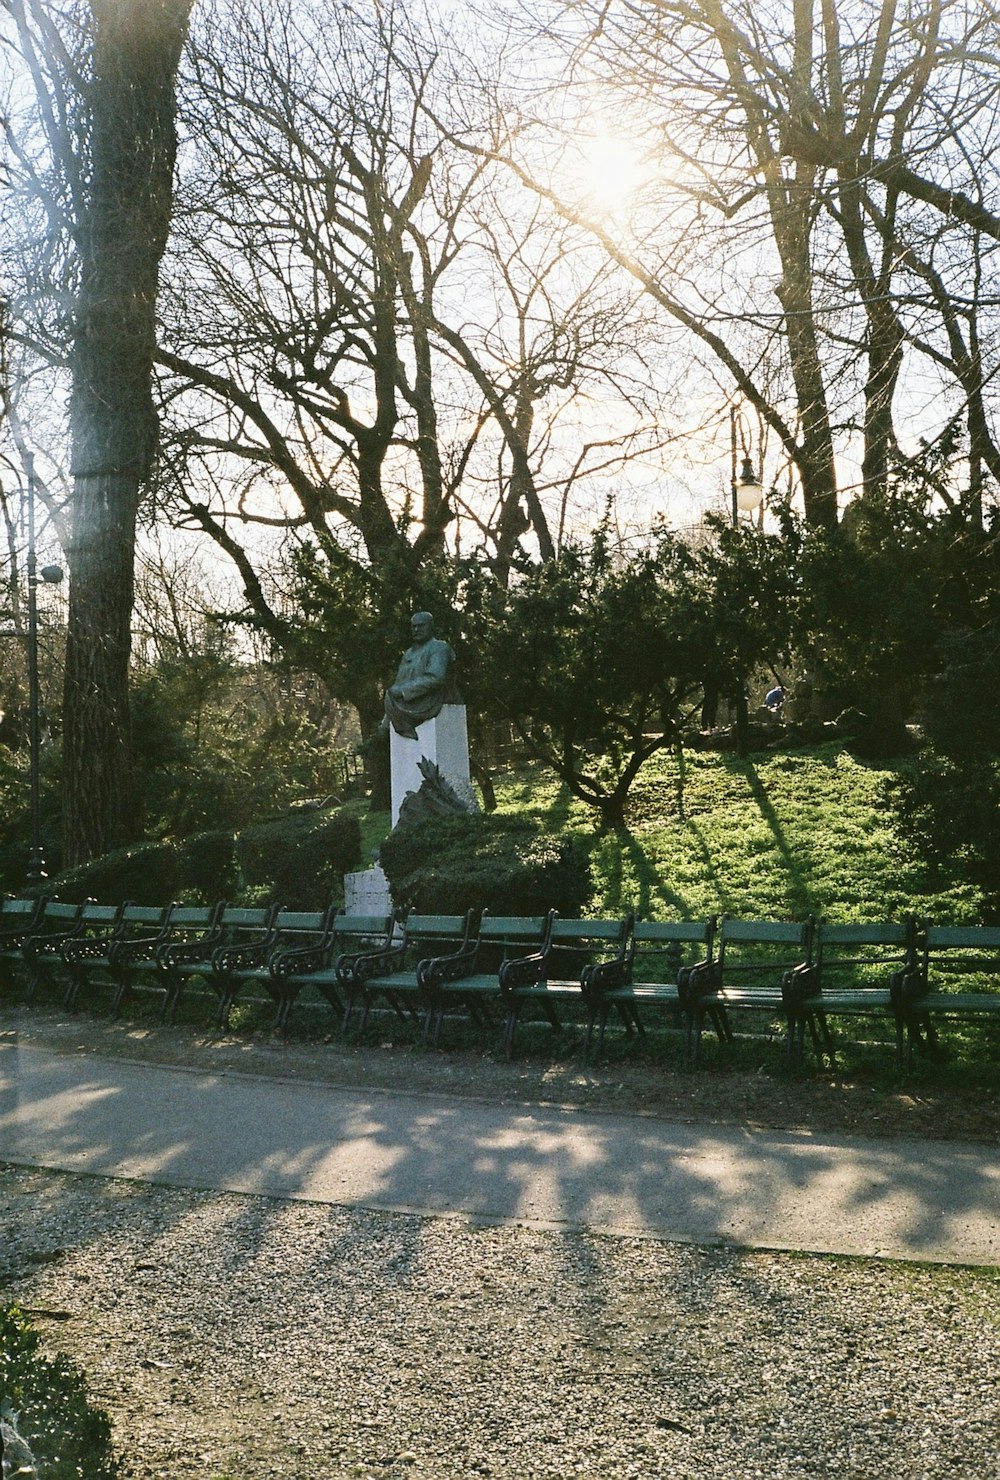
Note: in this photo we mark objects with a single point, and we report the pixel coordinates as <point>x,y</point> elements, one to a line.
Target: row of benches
<point>424,967</point>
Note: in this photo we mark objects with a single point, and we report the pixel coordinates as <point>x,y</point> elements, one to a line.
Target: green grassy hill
<point>768,836</point>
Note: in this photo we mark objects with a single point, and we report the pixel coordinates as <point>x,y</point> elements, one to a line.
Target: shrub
<point>300,860</point>
<point>508,865</point>
<point>207,866</point>
<point>145,873</point>
<point>69,1438</point>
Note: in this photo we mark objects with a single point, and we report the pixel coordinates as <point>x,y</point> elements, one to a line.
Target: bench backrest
<point>59,914</point>
<point>18,916</point>
<point>100,917</point>
<point>764,947</point>
<point>238,919</point>
<point>504,937</point>
<point>142,917</point>
<point>659,948</point>
<point>961,951</point>
<point>194,917</point>
<point>864,949</point>
<point>361,932</point>
<point>446,931</point>
<point>574,944</point>
<point>303,922</point>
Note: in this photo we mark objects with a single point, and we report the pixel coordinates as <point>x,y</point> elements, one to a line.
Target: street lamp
<point>49,575</point>
<point>746,490</point>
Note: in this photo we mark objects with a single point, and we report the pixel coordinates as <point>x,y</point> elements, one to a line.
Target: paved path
<point>552,1168</point>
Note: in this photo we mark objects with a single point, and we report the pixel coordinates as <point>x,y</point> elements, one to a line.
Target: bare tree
<point>840,156</point>
<point>357,349</point>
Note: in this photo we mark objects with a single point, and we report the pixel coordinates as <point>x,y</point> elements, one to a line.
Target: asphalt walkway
<point>540,1166</point>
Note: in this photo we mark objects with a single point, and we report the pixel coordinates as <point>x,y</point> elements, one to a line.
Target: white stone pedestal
<point>443,740</point>
<point>367,893</point>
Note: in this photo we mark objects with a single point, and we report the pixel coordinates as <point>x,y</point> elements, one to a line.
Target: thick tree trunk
<point>136,51</point>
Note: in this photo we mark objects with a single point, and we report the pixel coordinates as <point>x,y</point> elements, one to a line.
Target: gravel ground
<point>246,1337</point>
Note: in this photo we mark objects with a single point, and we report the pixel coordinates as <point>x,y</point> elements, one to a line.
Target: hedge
<point>68,1437</point>
<point>508,865</point>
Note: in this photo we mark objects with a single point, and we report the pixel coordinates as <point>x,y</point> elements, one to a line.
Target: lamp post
<point>746,490</point>
<point>49,575</point>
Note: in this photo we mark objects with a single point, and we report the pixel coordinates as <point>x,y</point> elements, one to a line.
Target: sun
<point>612,170</point>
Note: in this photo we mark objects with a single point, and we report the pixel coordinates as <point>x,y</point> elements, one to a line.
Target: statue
<point>424,682</point>
<point>436,798</point>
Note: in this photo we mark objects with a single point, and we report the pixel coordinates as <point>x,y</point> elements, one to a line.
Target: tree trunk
<point>121,238</point>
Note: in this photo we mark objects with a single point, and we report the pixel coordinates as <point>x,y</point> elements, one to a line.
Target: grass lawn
<point>771,836</point>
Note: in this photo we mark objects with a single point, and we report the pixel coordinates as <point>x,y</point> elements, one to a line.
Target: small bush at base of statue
<point>49,1425</point>
<point>509,866</point>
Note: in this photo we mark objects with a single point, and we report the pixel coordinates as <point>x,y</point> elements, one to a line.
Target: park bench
<point>247,962</point>
<point>19,918</point>
<point>181,961</point>
<point>136,963</point>
<point>552,975</point>
<point>103,956</point>
<point>852,974</point>
<point>404,973</point>
<point>62,923</point>
<point>648,974</point>
<point>501,939</point>
<point>753,960</point>
<point>292,968</point>
<point>950,956</point>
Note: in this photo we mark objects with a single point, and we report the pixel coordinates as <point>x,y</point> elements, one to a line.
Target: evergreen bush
<point>508,865</point>
<point>68,1437</point>
<point>145,873</point>
<point>299,860</point>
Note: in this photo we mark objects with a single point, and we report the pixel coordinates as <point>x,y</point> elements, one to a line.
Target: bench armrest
<point>907,986</point>
<point>137,948</point>
<point>606,976</point>
<point>801,982</point>
<point>245,956</point>
<point>51,944</point>
<point>183,952</point>
<point>524,971</point>
<point>297,960</point>
<point>359,966</point>
<point>448,968</point>
<point>698,980</point>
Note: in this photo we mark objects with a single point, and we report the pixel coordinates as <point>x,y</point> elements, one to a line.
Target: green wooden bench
<point>855,966</point>
<point>19,918</point>
<point>754,958</point>
<point>293,968</point>
<point>552,976</point>
<point>61,924</point>
<point>247,962</point>
<point>501,939</point>
<point>102,956</point>
<point>950,956</point>
<point>136,960</point>
<point>180,961</point>
<point>648,974</point>
<point>428,948</point>
<point>195,930</point>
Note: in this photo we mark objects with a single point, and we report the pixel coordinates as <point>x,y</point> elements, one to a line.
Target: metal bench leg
<point>119,995</point>
<point>72,992</point>
<point>171,999</point>
<point>510,1028</point>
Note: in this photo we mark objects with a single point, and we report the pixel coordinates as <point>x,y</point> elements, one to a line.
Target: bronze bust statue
<point>424,682</point>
